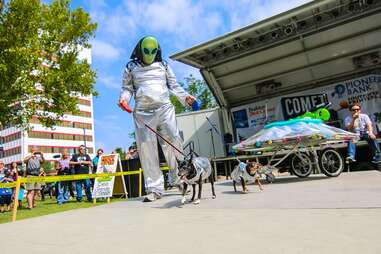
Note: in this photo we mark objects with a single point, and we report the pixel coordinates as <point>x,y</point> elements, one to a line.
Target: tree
<point>121,153</point>
<point>40,72</point>
<point>199,89</point>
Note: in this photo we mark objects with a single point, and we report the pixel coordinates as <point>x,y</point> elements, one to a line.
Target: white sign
<point>366,90</point>
<point>103,186</point>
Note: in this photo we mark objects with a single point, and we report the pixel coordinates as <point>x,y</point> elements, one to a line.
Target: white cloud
<point>110,81</point>
<point>104,50</point>
<point>185,20</point>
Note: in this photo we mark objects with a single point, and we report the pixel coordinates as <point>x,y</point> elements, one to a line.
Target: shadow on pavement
<point>279,180</point>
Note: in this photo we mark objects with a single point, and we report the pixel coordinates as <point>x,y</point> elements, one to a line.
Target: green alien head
<point>149,49</point>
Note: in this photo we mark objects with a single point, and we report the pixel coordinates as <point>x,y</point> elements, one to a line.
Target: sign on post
<point>104,186</point>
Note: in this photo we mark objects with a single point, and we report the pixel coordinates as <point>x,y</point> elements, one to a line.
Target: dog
<point>244,172</point>
<point>195,171</point>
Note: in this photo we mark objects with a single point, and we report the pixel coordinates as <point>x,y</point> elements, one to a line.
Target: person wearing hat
<point>150,80</point>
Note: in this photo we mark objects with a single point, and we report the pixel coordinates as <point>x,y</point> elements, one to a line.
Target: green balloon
<point>322,114</point>
<point>149,48</point>
<point>307,114</point>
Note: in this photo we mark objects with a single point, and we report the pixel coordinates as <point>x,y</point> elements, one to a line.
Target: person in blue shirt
<point>96,159</point>
<point>5,193</point>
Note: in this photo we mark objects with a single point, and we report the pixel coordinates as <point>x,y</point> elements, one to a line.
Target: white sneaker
<point>152,197</point>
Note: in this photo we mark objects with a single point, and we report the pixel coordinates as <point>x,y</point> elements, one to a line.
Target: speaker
<point>132,181</point>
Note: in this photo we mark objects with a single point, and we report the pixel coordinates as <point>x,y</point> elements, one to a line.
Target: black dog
<point>191,175</point>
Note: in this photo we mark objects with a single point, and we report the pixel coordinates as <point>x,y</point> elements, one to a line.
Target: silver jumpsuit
<point>151,86</point>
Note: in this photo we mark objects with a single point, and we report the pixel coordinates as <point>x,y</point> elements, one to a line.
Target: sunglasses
<point>355,109</point>
<point>148,52</point>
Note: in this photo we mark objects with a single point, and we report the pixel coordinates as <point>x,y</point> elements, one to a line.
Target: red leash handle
<point>126,107</point>
<point>165,140</point>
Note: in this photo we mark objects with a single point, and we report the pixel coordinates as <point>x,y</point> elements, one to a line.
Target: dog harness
<point>202,166</point>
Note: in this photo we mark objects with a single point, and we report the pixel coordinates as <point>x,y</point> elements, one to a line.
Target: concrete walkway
<point>313,215</point>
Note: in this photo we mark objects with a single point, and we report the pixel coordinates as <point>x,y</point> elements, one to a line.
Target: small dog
<point>244,172</point>
<point>192,172</point>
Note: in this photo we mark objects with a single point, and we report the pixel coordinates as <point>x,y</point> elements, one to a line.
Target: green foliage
<point>39,67</point>
<point>48,166</point>
<point>200,90</point>
<point>179,108</point>
<point>132,135</point>
<point>49,206</point>
<point>121,153</point>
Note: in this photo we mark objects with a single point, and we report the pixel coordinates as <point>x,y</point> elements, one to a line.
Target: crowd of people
<point>78,163</point>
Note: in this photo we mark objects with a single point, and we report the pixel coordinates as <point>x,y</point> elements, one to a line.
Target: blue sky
<point>178,24</point>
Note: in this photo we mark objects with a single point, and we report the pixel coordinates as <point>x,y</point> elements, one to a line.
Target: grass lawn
<point>49,206</point>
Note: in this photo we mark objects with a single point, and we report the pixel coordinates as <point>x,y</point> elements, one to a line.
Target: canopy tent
<point>316,44</point>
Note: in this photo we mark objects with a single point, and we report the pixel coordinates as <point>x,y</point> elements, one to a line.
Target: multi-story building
<point>72,132</point>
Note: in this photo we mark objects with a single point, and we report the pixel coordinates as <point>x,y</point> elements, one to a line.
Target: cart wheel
<point>270,177</point>
<point>301,165</point>
<point>331,162</point>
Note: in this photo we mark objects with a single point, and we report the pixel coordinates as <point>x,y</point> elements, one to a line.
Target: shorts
<point>32,186</point>
<point>5,199</point>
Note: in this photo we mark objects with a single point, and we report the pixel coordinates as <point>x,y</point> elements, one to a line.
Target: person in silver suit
<point>150,80</point>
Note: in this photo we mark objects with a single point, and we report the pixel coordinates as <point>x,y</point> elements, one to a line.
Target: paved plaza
<point>312,215</point>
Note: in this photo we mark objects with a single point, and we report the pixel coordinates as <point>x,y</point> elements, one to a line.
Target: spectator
<point>96,159</point>
<point>33,169</point>
<point>2,168</point>
<point>82,163</point>
<point>362,125</point>
<point>5,193</point>
<point>132,153</point>
<point>63,168</point>
<point>16,173</point>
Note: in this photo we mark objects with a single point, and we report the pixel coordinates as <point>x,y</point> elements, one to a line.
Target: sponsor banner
<point>249,119</point>
<point>366,90</point>
<point>103,186</point>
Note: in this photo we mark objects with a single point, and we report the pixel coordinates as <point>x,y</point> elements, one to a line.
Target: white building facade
<point>73,131</point>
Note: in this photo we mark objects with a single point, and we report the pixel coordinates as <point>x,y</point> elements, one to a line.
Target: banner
<point>366,90</point>
<point>103,186</point>
<point>249,119</point>
<point>296,105</point>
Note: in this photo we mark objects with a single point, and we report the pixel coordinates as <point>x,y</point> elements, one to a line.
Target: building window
<point>84,102</point>
<point>59,136</point>
<point>66,124</point>
<point>10,152</point>
<point>48,149</point>
<point>10,138</point>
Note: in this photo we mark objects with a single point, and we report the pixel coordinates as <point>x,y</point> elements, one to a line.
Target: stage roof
<point>315,44</point>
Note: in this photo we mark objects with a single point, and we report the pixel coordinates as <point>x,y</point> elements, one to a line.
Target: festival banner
<point>249,119</point>
<point>296,105</point>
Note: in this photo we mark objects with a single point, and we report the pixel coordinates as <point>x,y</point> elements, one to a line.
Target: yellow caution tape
<point>49,179</point>
<point>7,185</point>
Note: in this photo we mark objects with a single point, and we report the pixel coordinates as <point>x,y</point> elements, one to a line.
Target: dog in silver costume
<point>194,171</point>
<point>245,172</point>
